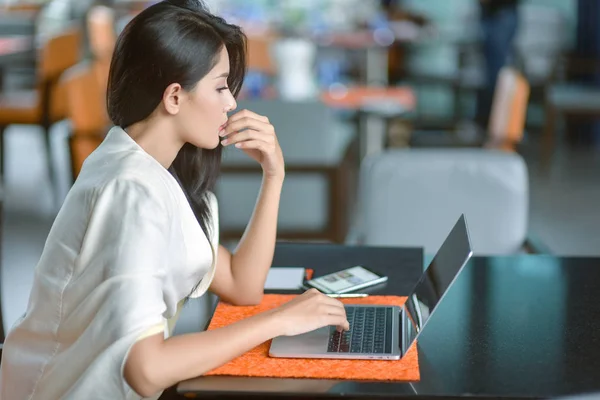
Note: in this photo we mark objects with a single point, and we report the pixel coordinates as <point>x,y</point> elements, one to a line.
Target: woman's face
<point>204,109</point>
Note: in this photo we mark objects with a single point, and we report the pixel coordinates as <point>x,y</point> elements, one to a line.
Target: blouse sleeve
<point>127,241</point>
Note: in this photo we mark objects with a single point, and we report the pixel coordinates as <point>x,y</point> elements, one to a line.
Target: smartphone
<point>347,280</point>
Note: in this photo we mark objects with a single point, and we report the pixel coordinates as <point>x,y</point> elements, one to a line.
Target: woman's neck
<point>157,139</point>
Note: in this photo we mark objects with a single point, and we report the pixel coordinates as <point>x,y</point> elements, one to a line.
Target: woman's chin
<point>208,145</point>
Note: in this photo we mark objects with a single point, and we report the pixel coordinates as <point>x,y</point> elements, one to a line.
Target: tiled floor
<point>565,207</point>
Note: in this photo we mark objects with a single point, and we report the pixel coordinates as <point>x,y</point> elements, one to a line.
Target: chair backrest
<point>59,53</point>
<point>509,107</point>
<point>87,112</point>
<point>409,197</point>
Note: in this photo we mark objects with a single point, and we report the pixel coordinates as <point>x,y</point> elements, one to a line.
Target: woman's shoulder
<point>119,162</point>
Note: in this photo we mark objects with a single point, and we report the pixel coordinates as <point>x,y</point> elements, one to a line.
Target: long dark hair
<point>174,41</point>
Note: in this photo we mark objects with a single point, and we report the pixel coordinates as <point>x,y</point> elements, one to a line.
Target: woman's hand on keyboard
<point>309,311</point>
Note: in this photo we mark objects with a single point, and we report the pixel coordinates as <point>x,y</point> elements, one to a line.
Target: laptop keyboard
<point>370,332</point>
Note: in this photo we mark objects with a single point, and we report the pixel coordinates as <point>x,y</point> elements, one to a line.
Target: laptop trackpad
<point>314,342</point>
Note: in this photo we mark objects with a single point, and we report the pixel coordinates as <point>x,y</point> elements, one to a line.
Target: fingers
<point>248,135</point>
<point>340,322</point>
<point>338,313</point>
<point>260,145</point>
<point>247,114</point>
<point>332,310</point>
<point>243,123</point>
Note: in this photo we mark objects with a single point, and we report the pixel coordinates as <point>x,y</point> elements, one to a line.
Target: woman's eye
<point>222,89</point>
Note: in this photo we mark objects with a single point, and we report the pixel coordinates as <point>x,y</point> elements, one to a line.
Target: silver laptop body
<point>380,332</point>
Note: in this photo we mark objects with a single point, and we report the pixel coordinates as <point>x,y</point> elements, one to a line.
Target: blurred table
<point>374,105</point>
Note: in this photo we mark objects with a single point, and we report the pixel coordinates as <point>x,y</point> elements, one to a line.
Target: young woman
<point>138,232</point>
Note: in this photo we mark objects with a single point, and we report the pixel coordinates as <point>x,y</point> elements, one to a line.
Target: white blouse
<point>123,252</point>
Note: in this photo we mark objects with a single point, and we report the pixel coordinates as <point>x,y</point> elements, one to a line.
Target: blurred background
<point>394,118</point>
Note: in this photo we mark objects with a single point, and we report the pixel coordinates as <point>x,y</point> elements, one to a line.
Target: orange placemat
<point>257,362</point>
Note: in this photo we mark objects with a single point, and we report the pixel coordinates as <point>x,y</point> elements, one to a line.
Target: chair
<point>507,119</point>
<point>87,112</point>
<point>573,100</point>
<point>316,150</point>
<point>46,104</point>
<point>412,197</point>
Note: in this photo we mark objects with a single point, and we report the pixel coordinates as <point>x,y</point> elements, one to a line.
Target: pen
<point>346,295</point>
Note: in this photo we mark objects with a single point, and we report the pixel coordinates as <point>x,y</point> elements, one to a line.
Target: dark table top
<point>510,327</point>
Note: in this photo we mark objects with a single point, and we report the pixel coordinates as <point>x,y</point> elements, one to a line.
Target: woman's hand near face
<point>255,135</point>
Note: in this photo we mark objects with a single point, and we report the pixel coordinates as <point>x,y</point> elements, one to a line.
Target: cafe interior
<point>394,117</point>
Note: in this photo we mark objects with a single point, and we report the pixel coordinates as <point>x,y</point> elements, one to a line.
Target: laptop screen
<point>437,278</point>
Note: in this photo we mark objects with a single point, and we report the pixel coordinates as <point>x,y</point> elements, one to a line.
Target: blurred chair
<point>46,104</point>
<point>87,112</point>
<point>569,99</point>
<point>507,119</point>
<point>413,197</point>
<point>102,39</point>
<point>509,109</point>
<point>316,150</point>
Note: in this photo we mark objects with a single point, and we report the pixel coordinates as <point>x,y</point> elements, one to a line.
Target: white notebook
<point>285,278</point>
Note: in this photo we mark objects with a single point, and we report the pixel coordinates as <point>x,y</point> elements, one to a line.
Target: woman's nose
<point>232,105</point>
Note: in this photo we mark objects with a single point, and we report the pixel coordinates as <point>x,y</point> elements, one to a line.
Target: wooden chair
<point>509,110</point>
<point>567,98</point>
<point>86,111</point>
<point>507,119</point>
<point>46,104</point>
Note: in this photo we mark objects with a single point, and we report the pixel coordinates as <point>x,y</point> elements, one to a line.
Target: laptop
<point>379,332</point>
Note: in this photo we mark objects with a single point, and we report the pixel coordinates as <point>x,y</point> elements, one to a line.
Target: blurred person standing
<point>499,22</point>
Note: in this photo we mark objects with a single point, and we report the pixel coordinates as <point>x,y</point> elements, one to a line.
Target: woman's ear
<point>172,98</point>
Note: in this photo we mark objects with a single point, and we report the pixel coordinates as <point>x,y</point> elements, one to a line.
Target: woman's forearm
<point>251,261</point>
<point>155,364</point>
